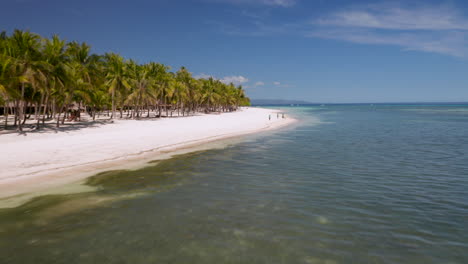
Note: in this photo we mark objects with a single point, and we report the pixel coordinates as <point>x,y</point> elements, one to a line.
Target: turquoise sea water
<point>348,184</point>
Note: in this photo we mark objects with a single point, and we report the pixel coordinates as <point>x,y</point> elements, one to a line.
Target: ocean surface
<point>347,184</point>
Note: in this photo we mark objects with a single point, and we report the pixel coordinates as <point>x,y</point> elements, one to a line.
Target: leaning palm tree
<point>117,77</point>
<point>6,81</point>
<point>23,48</point>
<point>56,74</point>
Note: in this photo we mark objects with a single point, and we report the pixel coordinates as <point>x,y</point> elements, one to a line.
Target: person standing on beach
<point>269,117</point>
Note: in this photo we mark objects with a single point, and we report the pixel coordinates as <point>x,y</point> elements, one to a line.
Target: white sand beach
<point>36,161</point>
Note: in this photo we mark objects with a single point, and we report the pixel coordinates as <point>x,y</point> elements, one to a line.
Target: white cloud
<point>237,80</point>
<point>259,84</point>
<point>449,43</point>
<point>441,29</point>
<point>282,85</point>
<point>203,76</point>
<point>279,3</point>
<point>258,28</point>
<point>284,3</point>
<point>385,16</point>
<point>437,29</point>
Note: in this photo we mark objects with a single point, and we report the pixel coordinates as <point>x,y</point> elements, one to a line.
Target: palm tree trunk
<point>79,111</point>
<point>54,108</point>
<point>14,111</point>
<point>94,113</point>
<point>45,110</point>
<point>58,116</point>
<point>20,109</point>
<point>6,114</point>
<point>25,116</point>
<point>65,112</point>
<point>38,111</point>
<point>7,110</point>
<point>113,103</point>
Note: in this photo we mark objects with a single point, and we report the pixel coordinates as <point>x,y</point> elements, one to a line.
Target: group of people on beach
<point>277,116</point>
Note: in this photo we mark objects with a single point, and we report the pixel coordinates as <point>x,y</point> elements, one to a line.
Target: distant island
<point>276,102</point>
<point>279,102</point>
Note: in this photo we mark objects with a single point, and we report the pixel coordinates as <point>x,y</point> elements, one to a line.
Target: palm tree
<point>162,84</point>
<point>23,48</point>
<point>116,76</point>
<point>211,94</point>
<point>6,93</point>
<point>53,53</point>
<point>143,84</point>
<point>50,74</point>
<point>190,87</point>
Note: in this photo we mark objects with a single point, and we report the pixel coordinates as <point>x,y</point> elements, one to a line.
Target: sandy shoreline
<point>39,161</point>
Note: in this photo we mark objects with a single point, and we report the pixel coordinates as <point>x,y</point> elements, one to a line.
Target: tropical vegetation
<point>49,79</point>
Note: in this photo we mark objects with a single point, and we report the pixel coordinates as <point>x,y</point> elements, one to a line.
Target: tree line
<point>50,79</point>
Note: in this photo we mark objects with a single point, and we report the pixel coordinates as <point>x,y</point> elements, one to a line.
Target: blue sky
<point>326,51</point>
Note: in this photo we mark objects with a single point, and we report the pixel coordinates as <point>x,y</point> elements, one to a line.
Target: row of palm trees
<point>45,79</point>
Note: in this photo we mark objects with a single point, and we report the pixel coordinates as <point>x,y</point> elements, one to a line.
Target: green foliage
<point>53,73</point>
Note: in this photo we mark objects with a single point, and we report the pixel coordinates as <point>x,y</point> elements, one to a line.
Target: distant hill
<point>276,102</point>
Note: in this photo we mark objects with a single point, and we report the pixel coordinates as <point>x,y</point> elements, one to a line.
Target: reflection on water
<point>365,185</point>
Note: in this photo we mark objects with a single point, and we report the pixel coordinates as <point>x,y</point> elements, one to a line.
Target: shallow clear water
<point>349,184</point>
